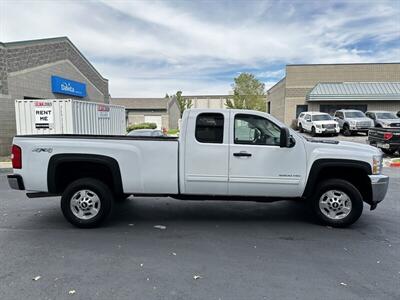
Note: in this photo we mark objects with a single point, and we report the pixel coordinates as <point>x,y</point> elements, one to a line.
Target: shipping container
<point>68,116</point>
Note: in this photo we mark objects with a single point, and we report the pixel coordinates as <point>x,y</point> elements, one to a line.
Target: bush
<point>141,126</point>
<point>173,131</point>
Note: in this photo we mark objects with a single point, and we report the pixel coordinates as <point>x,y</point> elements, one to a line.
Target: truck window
<point>255,130</point>
<point>210,128</point>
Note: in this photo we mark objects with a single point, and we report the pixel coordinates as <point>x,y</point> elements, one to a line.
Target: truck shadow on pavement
<point>170,210</point>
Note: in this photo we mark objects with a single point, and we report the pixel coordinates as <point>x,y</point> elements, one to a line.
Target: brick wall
<point>36,82</point>
<point>276,95</point>
<point>300,79</point>
<point>7,121</point>
<point>25,56</point>
<point>3,71</point>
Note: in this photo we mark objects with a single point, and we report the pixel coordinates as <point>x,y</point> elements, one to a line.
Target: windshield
<point>386,115</point>
<point>321,117</point>
<point>354,114</point>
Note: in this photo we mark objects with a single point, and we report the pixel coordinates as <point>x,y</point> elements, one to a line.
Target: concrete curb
<point>394,163</point>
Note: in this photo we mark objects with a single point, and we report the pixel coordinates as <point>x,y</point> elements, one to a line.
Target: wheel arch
<point>354,171</point>
<point>104,168</point>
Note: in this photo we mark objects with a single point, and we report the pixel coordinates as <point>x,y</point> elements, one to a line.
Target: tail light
<point>387,136</point>
<point>16,157</point>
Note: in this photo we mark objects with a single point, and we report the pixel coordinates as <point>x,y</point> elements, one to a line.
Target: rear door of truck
<point>206,153</point>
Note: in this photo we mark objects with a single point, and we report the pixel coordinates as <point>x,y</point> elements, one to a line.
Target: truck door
<point>258,166</point>
<point>206,153</point>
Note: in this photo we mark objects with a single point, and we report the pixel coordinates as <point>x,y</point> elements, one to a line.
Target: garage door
<point>153,119</point>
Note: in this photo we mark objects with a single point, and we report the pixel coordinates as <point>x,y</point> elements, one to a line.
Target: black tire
<point>301,130</point>
<point>100,190</point>
<point>313,133</point>
<point>346,130</point>
<point>342,186</point>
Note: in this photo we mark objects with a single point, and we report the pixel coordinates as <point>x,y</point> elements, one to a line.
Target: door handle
<point>242,153</point>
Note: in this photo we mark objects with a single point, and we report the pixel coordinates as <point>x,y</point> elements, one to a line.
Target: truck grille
<point>363,124</point>
<point>328,126</point>
<point>395,124</point>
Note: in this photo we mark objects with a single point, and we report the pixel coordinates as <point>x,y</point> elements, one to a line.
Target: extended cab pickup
<point>220,155</point>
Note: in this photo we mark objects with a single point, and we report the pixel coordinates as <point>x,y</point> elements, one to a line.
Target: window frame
<point>223,127</point>
<point>249,144</point>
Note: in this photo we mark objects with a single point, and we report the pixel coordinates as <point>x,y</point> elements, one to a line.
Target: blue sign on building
<point>61,85</point>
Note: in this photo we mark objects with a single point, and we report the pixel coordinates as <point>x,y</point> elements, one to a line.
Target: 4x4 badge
<point>38,150</point>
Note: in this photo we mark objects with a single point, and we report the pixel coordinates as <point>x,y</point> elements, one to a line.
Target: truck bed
<point>147,164</point>
<point>93,136</point>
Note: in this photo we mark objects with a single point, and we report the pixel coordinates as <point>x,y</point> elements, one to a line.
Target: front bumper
<point>15,182</point>
<point>327,130</point>
<point>379,185</point>
<point>359,128</point>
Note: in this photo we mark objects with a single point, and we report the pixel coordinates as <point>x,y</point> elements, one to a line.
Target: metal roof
<point>355,91</point>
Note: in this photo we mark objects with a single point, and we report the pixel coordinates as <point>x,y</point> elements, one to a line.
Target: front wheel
<point>346,130</point>
<point>86,202</point>
<point>336,203</point>
<point>313,133</point>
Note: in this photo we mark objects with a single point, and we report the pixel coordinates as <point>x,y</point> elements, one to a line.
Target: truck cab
<point>223,152</point>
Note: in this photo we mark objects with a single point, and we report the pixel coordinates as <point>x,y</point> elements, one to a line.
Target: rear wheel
<point>301,128</point>
<point>86,202</point>
<point>336,203</point>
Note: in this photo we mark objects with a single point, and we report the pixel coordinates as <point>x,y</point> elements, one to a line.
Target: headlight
<point>353,122</point>
<point>318,126</point>
<point>385,125</point>
<point>377,164</point>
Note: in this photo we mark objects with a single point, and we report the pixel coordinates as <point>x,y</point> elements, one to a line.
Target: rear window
<point>210,128</point>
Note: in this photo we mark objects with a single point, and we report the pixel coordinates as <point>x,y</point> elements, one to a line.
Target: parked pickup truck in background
<point>220,155</point>
<point>387,139</point>
<point>384,119</point>
<point>353,121</point>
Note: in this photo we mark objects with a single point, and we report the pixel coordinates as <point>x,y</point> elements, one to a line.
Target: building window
<point>255,130</point>
<point>210,128</point>
<point>301,108</point>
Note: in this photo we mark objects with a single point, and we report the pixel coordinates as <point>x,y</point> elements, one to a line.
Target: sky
<point>150,48</point>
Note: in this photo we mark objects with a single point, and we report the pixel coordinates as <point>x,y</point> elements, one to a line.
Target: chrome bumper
<point>379,185</point>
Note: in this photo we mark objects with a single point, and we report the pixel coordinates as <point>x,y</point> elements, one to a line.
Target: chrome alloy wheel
<point>85,204</point>
<point>335,204</point>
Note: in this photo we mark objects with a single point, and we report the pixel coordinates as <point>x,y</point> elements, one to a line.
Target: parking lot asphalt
<point>239,250</point>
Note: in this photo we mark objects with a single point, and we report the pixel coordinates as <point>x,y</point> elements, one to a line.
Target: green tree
<point>248,93</point>
<point>182,102</point>
<point>166,95</point>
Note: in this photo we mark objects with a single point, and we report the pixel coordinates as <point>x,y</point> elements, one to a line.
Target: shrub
<point>173,131</point>
<point>141,126</point>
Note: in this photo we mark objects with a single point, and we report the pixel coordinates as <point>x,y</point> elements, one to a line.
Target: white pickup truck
<point>220,155</point>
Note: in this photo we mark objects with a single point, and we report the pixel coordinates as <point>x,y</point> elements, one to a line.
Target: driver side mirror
<point>286,140</point>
